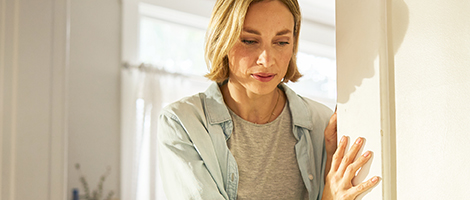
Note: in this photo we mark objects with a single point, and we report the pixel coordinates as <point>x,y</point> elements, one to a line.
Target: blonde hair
<point>224,30</point>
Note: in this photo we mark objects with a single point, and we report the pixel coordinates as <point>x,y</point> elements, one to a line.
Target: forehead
<point>269,15</point>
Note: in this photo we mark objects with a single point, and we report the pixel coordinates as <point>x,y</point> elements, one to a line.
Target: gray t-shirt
<point>266,159</point>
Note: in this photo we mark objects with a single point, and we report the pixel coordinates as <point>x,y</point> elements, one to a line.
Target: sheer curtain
<point>172,43</point>
<point>145,90</point>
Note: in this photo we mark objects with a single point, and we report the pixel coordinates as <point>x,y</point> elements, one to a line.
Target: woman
<point>249,136</point>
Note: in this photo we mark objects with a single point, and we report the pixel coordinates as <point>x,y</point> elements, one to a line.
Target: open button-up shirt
<point>195,162</point>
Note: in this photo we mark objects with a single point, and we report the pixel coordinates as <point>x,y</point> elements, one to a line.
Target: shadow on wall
<point>361,41</point>
<point>365,42</point>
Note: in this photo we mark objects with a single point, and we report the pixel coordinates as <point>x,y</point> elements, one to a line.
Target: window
<point>170,45</point>
<point>319,78</point>
<point>176,45</point>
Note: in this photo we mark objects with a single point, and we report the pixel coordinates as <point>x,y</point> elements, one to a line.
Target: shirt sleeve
<point>183,172</point>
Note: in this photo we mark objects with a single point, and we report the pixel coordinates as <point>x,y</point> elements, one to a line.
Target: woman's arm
<point>182,169</point>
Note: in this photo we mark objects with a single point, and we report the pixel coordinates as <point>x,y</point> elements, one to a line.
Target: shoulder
<point>190,105</point>
<point>195,105</point>
<point>319,114</point>
<point>181,119</point>
<point>306,112</point>
<point>318,109</point>
<point>186,115</point>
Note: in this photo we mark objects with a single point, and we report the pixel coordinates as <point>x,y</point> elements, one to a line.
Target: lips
<point>263,77</point>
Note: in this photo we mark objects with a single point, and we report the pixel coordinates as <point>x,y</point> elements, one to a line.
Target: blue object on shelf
<point>75,195</point>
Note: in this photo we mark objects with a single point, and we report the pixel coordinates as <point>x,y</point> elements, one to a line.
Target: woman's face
<point>260,58</point>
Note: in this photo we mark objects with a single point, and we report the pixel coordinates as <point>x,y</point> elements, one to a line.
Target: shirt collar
<point>301,113</point>
<point>214,105</point>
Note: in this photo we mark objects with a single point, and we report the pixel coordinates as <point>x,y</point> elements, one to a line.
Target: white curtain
<point>144,91</point>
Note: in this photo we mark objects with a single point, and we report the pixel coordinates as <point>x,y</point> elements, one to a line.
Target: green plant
<point>96,194</point>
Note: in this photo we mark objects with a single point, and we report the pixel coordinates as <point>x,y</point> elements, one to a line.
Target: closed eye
<point>249,41</point>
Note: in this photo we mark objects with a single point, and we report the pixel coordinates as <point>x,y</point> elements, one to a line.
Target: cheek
<point>285,57</point>
<point>284,61</point>
<point>289,52</point>
<point>240,58</point>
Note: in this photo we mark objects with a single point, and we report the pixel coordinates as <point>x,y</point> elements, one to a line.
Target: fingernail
<point>359,141</point>
<point>367,154</point>
<point>343,139</point>
<point>375,179</point>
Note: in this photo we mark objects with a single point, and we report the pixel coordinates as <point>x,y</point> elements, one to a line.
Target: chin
<point>264,88</point>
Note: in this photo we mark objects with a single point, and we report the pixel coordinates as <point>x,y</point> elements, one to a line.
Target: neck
<point>255,108</point>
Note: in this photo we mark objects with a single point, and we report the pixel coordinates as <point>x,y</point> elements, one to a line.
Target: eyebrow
<point>252,31</point>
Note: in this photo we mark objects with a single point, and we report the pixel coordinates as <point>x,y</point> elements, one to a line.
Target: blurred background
<point>82,82</point>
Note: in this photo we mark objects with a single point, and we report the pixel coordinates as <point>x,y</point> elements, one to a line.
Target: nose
<point>266,57</point>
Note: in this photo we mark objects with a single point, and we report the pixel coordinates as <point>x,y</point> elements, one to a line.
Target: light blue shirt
<point>195,162</point>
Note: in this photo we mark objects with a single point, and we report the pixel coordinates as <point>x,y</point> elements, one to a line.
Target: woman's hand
<point>338,182</point>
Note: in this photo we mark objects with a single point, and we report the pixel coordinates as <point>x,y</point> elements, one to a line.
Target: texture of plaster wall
<point>432,90</point>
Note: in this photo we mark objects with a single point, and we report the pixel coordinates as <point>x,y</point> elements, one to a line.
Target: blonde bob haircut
<point>224,30</point>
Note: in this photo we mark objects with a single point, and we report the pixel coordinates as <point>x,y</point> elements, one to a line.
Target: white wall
<point>32,99</point>
<point>94,92</point>
<point>403,84</point>
<point>360,57</point>
<point>59,96</point>
<point>432,86</point>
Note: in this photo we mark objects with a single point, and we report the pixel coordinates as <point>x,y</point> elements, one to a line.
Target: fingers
<point>338,156</point>
<point>364,186</point>
<point>356,165</point>
<point>344,165</point>
<point>351,155</point>
<point>332,125</point>
<point>331,136</point>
